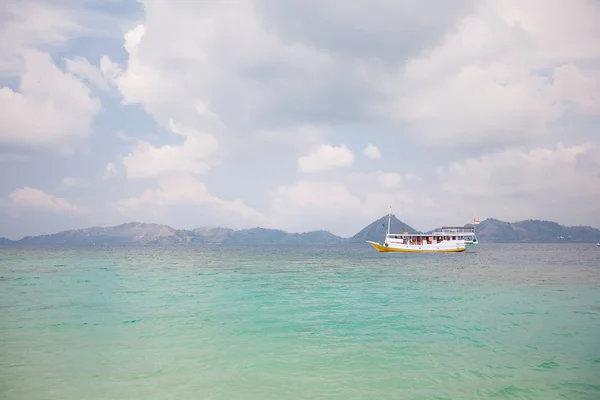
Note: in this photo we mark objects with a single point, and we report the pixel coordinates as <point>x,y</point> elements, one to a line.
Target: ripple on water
<point>276,322</point>
<point>547,365</point>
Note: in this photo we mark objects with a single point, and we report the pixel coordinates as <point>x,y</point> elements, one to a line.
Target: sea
<point>500,321</point>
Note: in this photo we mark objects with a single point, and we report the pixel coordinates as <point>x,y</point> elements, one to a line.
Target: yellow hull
<point>384,249</point>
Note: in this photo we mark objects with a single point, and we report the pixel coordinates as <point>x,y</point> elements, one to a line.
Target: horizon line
<point>282,230</point>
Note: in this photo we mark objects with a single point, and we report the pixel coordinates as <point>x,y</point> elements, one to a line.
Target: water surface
<point>290,322</point>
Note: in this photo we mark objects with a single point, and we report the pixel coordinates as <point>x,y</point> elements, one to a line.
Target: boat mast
<point>389,220</point>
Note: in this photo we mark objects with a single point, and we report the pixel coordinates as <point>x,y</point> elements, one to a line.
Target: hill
<point>488,231</point>
<point>317,237</point>
<point>213,235</point>
<point>132,232</point>
<point>534,231</point>
<point>256,236</point>
<point>376,230</point>
<point>142,233</point>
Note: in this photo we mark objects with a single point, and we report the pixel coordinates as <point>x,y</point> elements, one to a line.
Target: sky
<point>298,115</point>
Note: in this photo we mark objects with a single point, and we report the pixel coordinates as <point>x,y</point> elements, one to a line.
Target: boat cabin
<point>420,239</point>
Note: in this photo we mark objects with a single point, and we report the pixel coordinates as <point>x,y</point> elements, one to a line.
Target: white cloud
<point>276,142</point>
<point>557,30</point>
<point>49,26</point>
<point>109,170</point>
<point>479,84</point>
<point>184,190</point>
<point>548,183</point>
<point>69,182</point>
<point>30,197</point>
<point>110,70</point>
<point>148,161</point>
<point>383,180</point>
<point>560,183</point>
<point>29,24</point>
<point>515,172</point>
<point>492,79</point>
<point>501,81</point>
<point>312,205</point>
<point>576,86</point>
<point>221,55</point>
<point>326,157</point>
<point>372,151</point>
<point>308,205</point>
<point>52,108</point>
<point>314,195</point>
<point>390,179</point>
<point>82,68</point>
<point>499,78</point>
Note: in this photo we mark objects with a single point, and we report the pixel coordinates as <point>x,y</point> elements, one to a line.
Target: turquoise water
<point>499,321</point>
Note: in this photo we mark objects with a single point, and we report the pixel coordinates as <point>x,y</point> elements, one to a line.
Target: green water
<point>512,321</point>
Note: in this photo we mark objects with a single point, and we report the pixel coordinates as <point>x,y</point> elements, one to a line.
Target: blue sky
<point>257,113</point>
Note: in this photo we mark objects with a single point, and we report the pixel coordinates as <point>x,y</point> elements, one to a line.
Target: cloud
<point>560,183</point>
<point>470,76</point>
<point>516,172</point>
<point>557,31</point>
<point>497,78</point>
<point>547,183</point>
<point>577,87</point>
<point>223,55</point>
<point>315,195</point>
<point>372,151</point>
<point>390,179</point>
<point>308,205</point>
<point>484,77</point>
<point>50,27</point>
<point>148,161</point>
<point>312,205</point>
<point>393,30</point>
<point>473,97</point>
<point>182,190</point>
<point>326,157</point>
<point>51,110</point>
<point>81,68</point>
<point>26,25</point>
<point>30,197</point>
<point>276,142</point>
<point>109,170</point>
<point>69,182</point>
<point>382,180</point>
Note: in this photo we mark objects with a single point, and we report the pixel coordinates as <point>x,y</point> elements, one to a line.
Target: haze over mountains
<point>488,231</point>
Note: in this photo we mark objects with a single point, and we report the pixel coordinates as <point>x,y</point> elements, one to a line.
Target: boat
<point>434,242</point>
<point>466,233</point>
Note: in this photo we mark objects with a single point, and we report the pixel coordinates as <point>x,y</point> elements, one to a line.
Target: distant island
<point>488,231</point>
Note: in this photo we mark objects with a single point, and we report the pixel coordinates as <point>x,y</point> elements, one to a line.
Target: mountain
<point>314,237</point>
<point>534,231</point>
<point>376,230</point>
<point>488,231</point>
<point>216,235</point>
<point>257,236</point>
<point>141,233</point>
<point>132,232</point>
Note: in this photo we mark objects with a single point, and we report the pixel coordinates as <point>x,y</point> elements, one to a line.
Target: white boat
<point>435,242</point>
<point>466,233</point>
